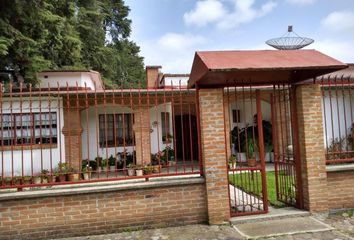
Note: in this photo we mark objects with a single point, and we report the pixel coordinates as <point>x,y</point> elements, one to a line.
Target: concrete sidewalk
<point>291,228</point>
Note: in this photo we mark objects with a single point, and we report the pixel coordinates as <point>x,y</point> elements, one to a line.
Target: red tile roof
<point>260,66</point>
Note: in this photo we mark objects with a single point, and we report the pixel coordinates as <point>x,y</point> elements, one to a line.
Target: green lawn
<point>247,182</point>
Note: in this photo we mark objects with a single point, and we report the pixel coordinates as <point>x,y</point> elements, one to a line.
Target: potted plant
<point>73,175</point>
<point>148,169</point>
<point>103,165</point>
<point>27,180</point>
<point>61,171</point>
<point>139,170</point>
<point>44,175</point>
<point>18,180</point>
<point>37,179</point>
<point>232,161</point>
<point>251,152</point>
<point>8,181</point>
<point>112,161</point>
<point>86,172</point>
<point>131,169</point>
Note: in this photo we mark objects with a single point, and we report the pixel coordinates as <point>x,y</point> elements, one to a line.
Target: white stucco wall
<point>93,140</point>
<point>176,81</point>
<point>17,155</point>
<point>91,151</point>
<point>338,110</point>
<point>156,142</point>
<point>249,109</point>
<point>53,78</point>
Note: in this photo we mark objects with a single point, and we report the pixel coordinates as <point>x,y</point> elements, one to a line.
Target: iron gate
<point>246,164</point>
<point>285,145</point>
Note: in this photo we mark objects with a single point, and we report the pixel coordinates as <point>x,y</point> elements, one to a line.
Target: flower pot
<point>27,181</point>
<point>74,177</point>
<point>61,178</point>
<point>131,172</point>
<point>44,180</point>
<point>112,168</point>
<point>139,172</point>
<point>232,165</point>
<point>252,162</point>
<point>51,179</point>
<point>87,176</point>
<point>156,168</point>
<point>37,180</point>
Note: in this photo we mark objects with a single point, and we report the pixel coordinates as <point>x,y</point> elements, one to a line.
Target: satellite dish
<point>289,41</point>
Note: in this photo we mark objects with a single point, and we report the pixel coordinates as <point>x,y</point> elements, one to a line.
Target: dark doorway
<point>186,137</point>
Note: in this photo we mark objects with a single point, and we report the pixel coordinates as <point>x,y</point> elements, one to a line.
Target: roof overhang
<point>259,67</point>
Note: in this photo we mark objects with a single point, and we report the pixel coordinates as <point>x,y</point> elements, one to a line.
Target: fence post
<point>312,149</point>
<point>214,154</point>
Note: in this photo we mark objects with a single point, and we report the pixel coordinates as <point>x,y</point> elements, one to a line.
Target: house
<point>170,145</point>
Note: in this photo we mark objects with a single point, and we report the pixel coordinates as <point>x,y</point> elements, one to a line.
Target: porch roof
<point>259,67</point>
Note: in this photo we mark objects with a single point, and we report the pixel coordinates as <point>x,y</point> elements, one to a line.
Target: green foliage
<point>72,34</point>
<point>239,136</point>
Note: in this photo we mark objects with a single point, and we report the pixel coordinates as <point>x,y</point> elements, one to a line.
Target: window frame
<point>12,127</point>
<point>126,142</point>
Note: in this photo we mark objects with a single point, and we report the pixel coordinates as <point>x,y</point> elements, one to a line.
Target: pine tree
<point>69,34</point>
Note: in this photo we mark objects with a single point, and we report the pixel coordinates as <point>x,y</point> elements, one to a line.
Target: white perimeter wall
<point>32,158</point>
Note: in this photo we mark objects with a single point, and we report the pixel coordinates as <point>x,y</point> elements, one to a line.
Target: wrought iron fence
<point>73,134</point>
<point>337,108</point>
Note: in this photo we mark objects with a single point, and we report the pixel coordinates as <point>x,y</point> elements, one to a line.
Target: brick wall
<point>340,189</point>
<point>105,212</point>
<point>311,143</point>
<point>214,154</point>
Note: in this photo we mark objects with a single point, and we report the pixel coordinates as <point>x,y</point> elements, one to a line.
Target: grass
<point>245,182</point>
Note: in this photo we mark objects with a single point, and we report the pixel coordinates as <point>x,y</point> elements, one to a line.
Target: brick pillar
<point>214,154</point>
<point>72,137</point>
<point>312,149</point>
<point>228,118</point>
<point>142,135</point>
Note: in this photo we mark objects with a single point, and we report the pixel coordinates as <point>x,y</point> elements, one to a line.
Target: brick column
<point>142,135</point>
<point>214,154</point>
<point>72,131</point>
<point>312,149</point>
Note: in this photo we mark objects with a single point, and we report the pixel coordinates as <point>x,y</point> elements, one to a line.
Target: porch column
<point>214,154</point>
<point>312,148</point>
<point>72,131</point>
<point>142,135</point>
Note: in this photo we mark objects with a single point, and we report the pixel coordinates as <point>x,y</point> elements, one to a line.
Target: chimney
<point>152,76</point>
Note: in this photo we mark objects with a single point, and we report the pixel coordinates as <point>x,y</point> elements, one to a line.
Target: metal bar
<point>226,151</point>
<point>261,150</point>
<point>2,137</point>
<point>295,126</point>
<point>274,139</point>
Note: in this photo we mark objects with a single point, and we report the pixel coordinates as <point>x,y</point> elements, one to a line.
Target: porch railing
<point>73,134</point>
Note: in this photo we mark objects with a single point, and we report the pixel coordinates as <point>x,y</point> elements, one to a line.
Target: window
<point>236,116</point>
<point>165,126</point>
<point>121,135</point>
<point>28,128</point>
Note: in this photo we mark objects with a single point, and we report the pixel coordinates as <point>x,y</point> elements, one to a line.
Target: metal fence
<point>73,134</point>
<point>337,107</point>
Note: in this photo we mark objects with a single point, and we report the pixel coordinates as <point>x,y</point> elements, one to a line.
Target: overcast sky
<point>170,31</point>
